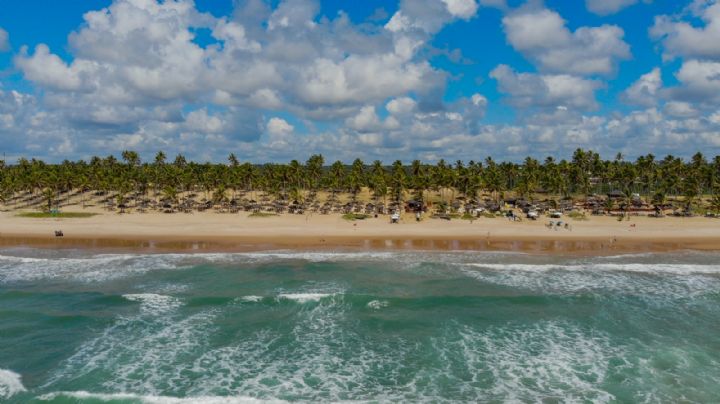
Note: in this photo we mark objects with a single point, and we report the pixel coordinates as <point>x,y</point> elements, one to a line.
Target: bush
<point>355,216</point>
<point>262,214</point>
<point>65,215</point>
<point>575,215</point>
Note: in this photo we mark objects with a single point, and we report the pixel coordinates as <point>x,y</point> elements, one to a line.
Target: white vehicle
<point>532,215</point>
<point>556,214</point>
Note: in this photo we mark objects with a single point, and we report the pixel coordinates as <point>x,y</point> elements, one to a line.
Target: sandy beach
<point>213,231</point>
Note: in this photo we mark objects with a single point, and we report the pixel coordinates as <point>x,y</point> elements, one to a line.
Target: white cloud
<point>49,70</point>
<point>136,77</point>
<point>367,121</point>
<point>699,82</point>
<point>429,16</point>
<point>645,91</point>
<point>279,127</point>
<point>4,41</point>
<point>233,36</point>
<point>401,106</point>
<point>144,52</point>
<point>479,100</point>
<point>678,109</point>
<point>265,98</point>
<point>529,90</point>
<point>360,79</point>
<point>200,121</point>
<point>461,8</point>
<point>684,39</point>
<point>541,35</point>
<point>135,66</point>
<point>280,135</point>
<point>605,7</point>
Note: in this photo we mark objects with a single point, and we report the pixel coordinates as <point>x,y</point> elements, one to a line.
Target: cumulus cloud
<point>606,7</point>
<point>367,120</point>
<point>401,106</point>
<point>683,39</point>
<point>4,41</point>
<point>541,34</point>
<point>645,91</point>
<point>280,134</point>
<point>277,81</point>
<point>279,127</point>
<point>678,109</point>
<point>429,16</point>
<point>699,82</point>
<point>49,70</point>
<point>461,8</point>
<point>529,90</point>
<point>146,51</point>
<point>136,65</point>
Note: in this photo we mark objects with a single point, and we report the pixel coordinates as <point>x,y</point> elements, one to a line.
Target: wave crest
<point>10,384</point>
<point>110,397</point>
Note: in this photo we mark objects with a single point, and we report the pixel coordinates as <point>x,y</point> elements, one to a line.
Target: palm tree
<point>356,179</point>
<point>314,168</point>
<point>398,181</point>
<point>49,197</point>
<point>715,200</point>
<point>219,195</point>
<point>336,176</point>
<point>659,200</point>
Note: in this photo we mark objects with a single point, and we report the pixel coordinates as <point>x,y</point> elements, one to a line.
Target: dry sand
<point>230,232</point>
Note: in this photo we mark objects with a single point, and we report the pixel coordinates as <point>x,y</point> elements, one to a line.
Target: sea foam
<point>154,303</point>
<point>148,399</point>
<point>305,297</point>
<point>675,269</point>
<point>10,384</point>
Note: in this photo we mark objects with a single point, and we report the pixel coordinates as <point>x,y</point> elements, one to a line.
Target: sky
<point>276,80</point>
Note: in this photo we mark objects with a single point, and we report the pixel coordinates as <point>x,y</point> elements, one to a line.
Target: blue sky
<point>429,79</point>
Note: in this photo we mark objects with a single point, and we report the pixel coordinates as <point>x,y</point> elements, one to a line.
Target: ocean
<point>77,326</point>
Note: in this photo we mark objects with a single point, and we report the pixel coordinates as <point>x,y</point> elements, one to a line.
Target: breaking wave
<point>81,396</point>
<point>10,384</point>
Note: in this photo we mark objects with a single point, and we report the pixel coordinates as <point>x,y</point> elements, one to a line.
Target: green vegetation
<point>488,215</point>
<point>575,215</point>
<point>262,214</point>
<point>355,216</point>
<point>61,215</point>
<point>688,184</point>
<point>468,216</point>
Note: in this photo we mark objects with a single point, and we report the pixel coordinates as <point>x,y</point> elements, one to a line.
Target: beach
<point>227,232</point>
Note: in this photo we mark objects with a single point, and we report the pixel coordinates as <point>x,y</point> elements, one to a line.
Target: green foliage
<point>355,216</point>
<point>262,214</point>
<point>575,215</point>
<point>59,215</point>
<point>689,180</point>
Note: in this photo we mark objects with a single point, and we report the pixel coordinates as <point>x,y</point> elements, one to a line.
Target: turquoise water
<point>81,327</point>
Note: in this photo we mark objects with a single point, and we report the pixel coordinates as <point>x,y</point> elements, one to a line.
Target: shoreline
<point>213,232</point>
<point>169,244</point>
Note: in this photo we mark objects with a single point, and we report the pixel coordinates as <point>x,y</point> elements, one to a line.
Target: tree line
<point>584,174</point>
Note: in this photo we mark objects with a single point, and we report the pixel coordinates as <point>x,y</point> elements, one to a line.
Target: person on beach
<point>395,218</point>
